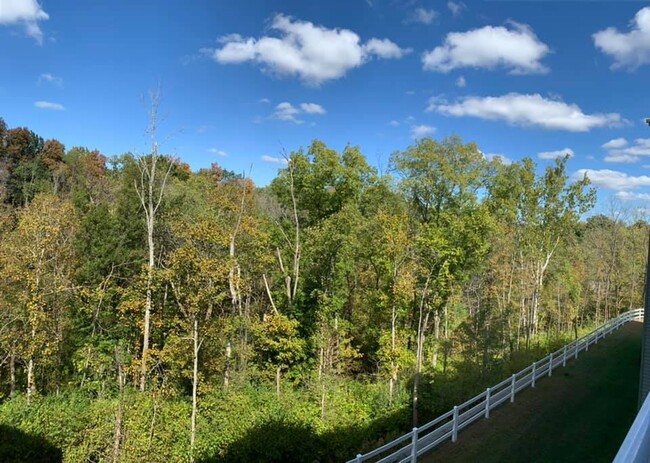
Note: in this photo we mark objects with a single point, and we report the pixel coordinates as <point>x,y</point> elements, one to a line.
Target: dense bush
<point>249,424</point>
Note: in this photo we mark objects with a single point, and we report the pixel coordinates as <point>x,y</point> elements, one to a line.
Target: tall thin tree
<point>151,195</point>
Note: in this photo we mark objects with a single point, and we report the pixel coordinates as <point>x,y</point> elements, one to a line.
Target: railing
<point>636,446</point>
<point>410,446</point>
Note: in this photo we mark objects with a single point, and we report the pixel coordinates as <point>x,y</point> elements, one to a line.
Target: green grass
<point>582,413</point>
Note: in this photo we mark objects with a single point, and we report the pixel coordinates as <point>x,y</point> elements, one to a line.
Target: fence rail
<point>636,446</point>
<point>408,447</point>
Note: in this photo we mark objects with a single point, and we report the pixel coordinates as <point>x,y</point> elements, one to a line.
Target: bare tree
<point>118,435</point>
<point>150,194</point>
<point>234,279</point>
<point>290,280</point>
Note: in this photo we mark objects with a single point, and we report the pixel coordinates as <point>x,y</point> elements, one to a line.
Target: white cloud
<point>264,100</point>
<point>619,151</point>
<point>614,179</point>
<point>273,160</point>
<point>422,16</point>
<point>615,143</point>
<point>504,159</point>
<point>621,158</point>
<point>419,131</point>
<point>630,196</point>
<point>312,108</point>
<point>384,48</point>
<point>25,12</point>
<point>556,154</point>
<point>461,82</point>
<point>641,147</point>
<point>456,8</point>
<point>302,49</point>
<point>394,123</point>
<point>526,110</point>
<point>217,152</point>
<point>285,111</point>
<point>516,48</point>
<point>49,105</point>
<point>50,78</point>
<point>629,50</point>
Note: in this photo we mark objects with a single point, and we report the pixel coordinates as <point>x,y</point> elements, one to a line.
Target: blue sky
<point>241,81</point>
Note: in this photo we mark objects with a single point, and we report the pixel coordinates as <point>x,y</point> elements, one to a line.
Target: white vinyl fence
<point>636,446</point>
<point>410,446</point>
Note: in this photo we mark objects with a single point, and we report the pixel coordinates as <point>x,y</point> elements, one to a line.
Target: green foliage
<point>341,286</point>
<point>278,342</point>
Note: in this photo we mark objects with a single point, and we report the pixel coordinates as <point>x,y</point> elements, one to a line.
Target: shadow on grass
<point>17,446</point>
<point>292,441</point>
<point>286,441</point>
<point>283,440</point>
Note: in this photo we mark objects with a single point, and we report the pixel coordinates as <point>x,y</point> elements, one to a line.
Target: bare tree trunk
<point>296,252</point>
<point>321,361</point>
<point>268,293</point>
<point>234,275</point>
<point>226,372</point>
<point>436,336</point>
<point>243,336</point>
<point>150,202</point>
<point>535,302</point>
<point>117,441</point>
<point>12,373</point>
<point>31,375</point>
<point>147,311</point>
<point>608,280</point>
<point>323,397</point>
<point>291,281</point>
<point>393,363</point>
<point>416,378</point>
<point>598,298</point>
<point>31,380</point>
<point>195,382</point>
<point>522,303</point>
<point>422,321</point>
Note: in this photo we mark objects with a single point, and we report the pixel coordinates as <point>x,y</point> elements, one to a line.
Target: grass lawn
<point>581,414</point>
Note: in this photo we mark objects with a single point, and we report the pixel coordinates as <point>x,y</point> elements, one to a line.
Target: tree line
<point>138,282</point>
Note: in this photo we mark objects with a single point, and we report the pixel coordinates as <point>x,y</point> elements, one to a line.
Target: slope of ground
<point>581,413</point>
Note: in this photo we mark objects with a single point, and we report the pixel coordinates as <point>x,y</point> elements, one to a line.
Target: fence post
<point>550,364</point>
<point>512,389</point>
<point>487,402</point>
<point>414,446</point>
<point>564,357</point>
<point>454,432</point>
<point>359,458</point>
<point>534,369</point>
<point>587,344</point>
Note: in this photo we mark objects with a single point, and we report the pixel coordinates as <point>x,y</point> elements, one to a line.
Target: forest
<point>149,312</point>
